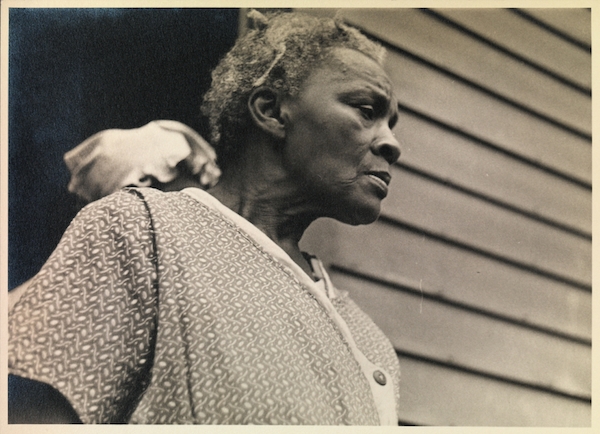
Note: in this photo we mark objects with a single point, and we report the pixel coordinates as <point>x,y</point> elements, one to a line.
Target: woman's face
<point>339,141</point>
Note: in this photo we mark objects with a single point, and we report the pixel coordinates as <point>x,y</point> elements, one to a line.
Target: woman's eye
<point>367,111</point>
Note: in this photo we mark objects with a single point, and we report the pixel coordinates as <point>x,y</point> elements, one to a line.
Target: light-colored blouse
<point>170,308</point>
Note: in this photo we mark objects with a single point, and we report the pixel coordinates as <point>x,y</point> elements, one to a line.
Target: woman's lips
<point>381,180</point>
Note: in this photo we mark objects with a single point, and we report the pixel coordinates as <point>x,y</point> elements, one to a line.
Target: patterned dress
<point>168,308</point>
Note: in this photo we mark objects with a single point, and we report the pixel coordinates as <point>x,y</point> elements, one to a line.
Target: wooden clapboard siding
<point>462,106</point>
<point>437,331</point>
<point>419,262</point>
<point>479,270</point>
<point>473,60</point>
<point>574,23</point>
<point>532,42</point>
<point>436,395</point>
<point>419,202</point>
<point>465,163</point>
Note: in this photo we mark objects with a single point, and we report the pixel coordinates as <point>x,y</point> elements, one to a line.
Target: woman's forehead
<point>347,65</point>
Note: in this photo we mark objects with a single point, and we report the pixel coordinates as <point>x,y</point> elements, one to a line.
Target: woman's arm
<point>86,323</point>
<point>30,401</point>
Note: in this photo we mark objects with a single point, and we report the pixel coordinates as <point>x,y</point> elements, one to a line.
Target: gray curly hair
<point>279,51</point>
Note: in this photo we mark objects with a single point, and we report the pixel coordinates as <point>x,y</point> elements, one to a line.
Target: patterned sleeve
<point>87,322</point>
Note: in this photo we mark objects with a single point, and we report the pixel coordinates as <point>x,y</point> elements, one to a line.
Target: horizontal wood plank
<point>436,330</point>
<point>466,163</point>
<point>457,275</point>
<point>450,213</point>
<point>474,60</point>
<point>574,22</point>
<point>528,40</point>
<point>434,395</point>
<point>486,118</point>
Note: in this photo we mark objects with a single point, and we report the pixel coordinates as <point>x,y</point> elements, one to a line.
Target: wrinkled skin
<point>339,142</point>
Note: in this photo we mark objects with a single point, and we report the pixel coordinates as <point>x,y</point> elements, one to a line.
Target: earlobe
<point>264,105</point>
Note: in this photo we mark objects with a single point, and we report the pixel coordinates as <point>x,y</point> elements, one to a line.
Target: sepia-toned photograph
<point>297,216</point>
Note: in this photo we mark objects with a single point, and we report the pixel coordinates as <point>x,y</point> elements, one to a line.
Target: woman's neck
<point>270,202</point>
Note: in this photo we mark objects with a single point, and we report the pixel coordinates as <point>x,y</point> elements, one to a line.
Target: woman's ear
<point>264,105</point>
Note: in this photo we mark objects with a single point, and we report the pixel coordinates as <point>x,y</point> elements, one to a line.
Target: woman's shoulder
<point>129,202</point>
<point>121,201</point>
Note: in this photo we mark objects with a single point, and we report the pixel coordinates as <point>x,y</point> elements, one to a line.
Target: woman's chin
<point>361,215</point>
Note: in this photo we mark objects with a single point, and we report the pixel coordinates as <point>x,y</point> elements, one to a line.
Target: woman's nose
<point>387,146</point>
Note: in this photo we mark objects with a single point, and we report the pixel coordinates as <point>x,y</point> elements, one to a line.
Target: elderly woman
<point>199,307</point>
